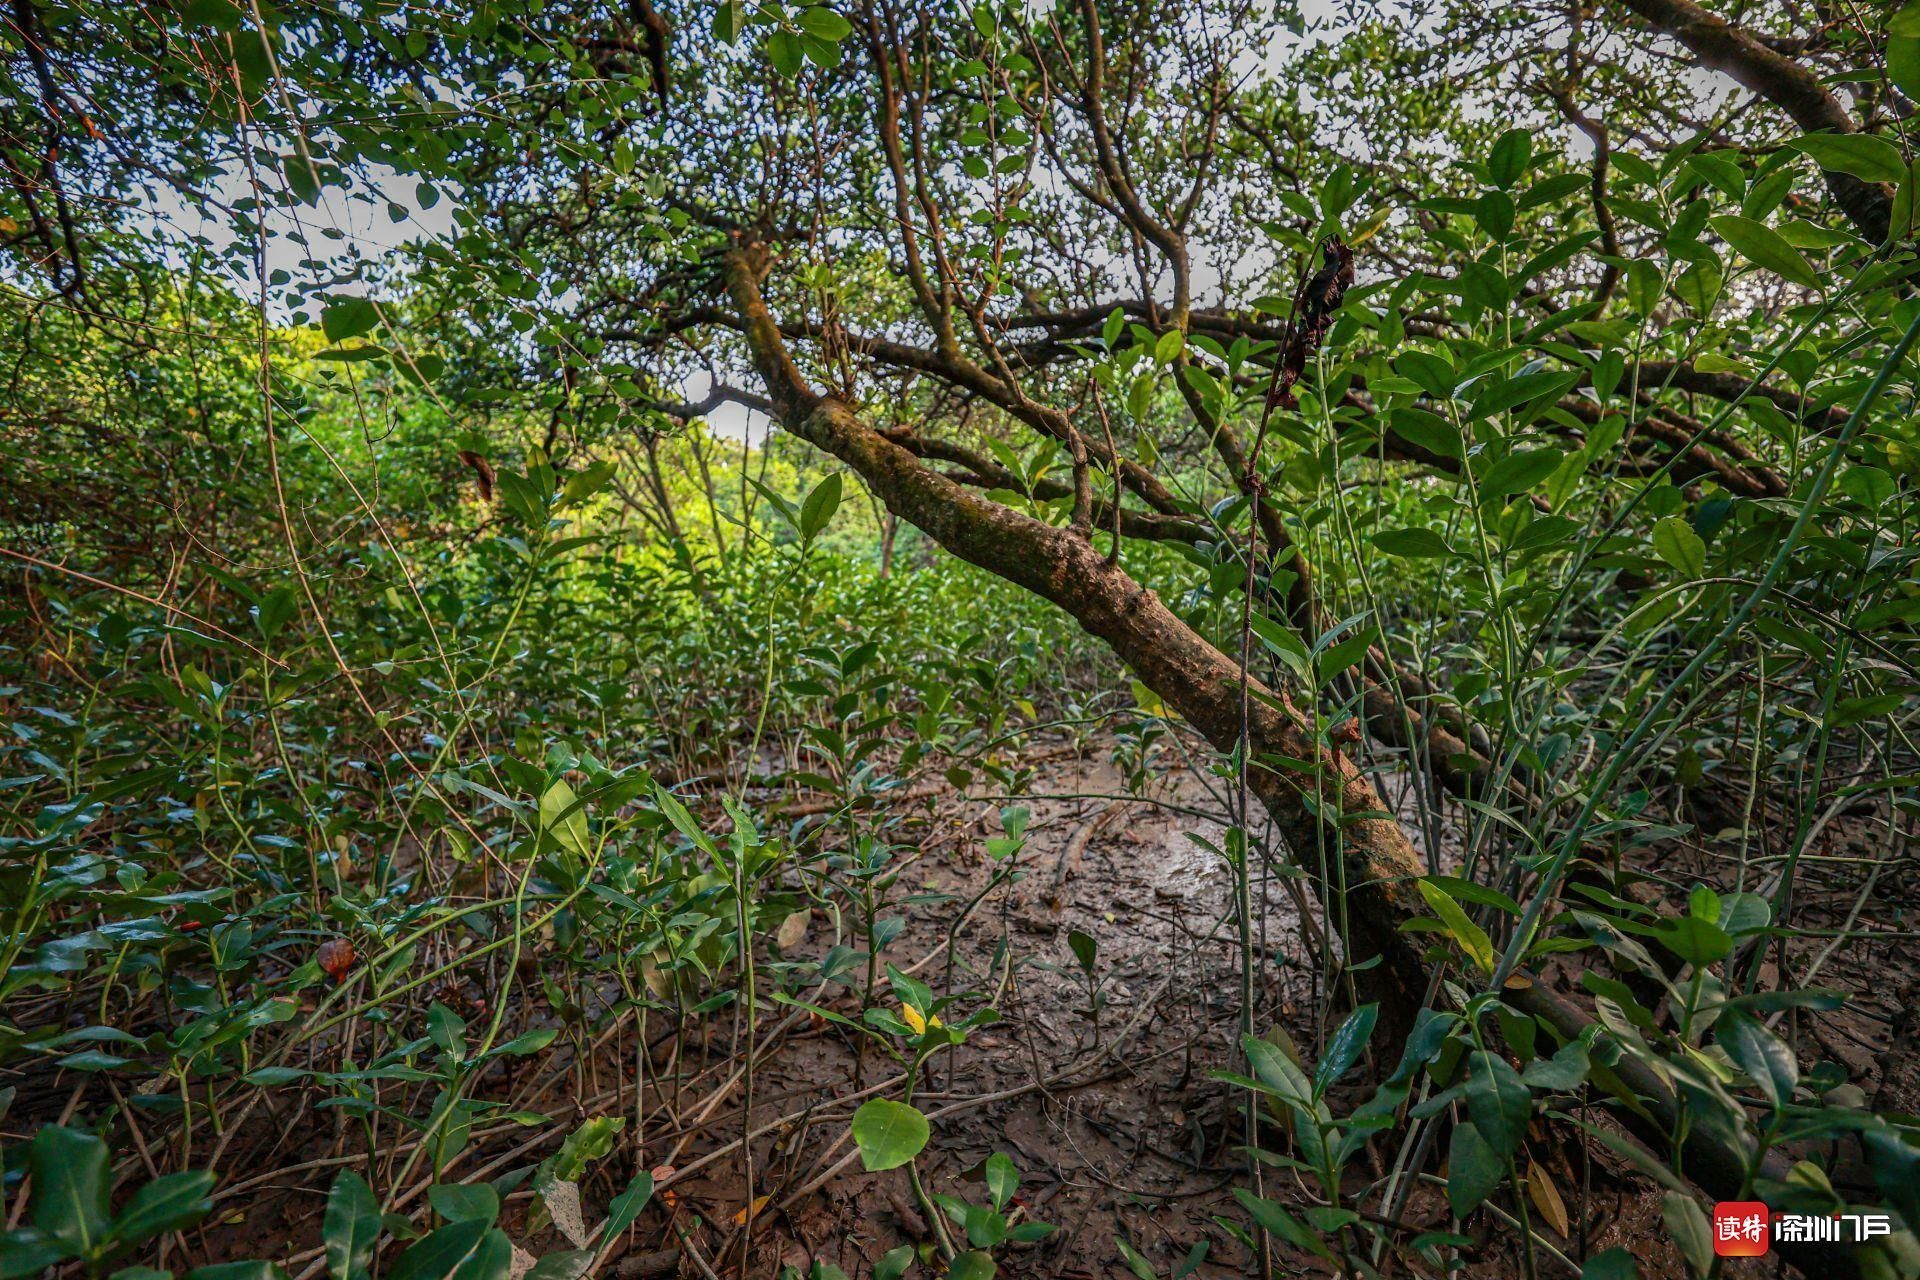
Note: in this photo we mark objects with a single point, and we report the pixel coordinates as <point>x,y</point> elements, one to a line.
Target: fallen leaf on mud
<point>1546,1198</point>
<point>563,1202</point>
<point>793,930</point>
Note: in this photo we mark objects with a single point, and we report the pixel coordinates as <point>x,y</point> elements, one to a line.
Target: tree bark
<point>1333,820</point>
<point>1795,89</point>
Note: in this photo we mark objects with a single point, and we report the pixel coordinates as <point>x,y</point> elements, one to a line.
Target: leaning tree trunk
<point>1357,856</point>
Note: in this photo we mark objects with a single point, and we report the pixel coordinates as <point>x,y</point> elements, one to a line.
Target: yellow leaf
<point>1546,1198</point>
<point>759,1203</point>
<point>912,1017</point>
<point>1371,227</point>
<point>793,930</point>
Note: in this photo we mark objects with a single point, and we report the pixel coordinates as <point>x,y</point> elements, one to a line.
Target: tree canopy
<point>546,497</point>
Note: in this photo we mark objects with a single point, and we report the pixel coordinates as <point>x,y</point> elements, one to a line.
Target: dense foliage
<point>517,515</point>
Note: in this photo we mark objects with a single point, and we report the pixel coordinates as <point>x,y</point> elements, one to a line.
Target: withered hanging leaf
<point>482,473</point>
<point>1313,310</point>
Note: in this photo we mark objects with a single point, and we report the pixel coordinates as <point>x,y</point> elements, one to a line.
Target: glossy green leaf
<point>820,504</point>
<point>1766,1059</point>
<point>1863,155</point>
<point>1472,938</point>
<point>168,1203</point>
<point>70,1186</point>
<point>1762,246</point>
<point>457,1202</point>
<point>1688,1227</point>
<point>1675,542</point>
<point>457,1249</point>
<point>1474,1170</point>
<point>1344,1047</point>
<point>1498,1100</point>
<point>351,1226</point>
<point>888,1133</point>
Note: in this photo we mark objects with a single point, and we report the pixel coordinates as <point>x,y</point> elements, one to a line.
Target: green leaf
<point>1698,942</point>
<point>1903,63</point>
<point>351,1226</point>
<point>1548,190</point>
<point>1280,638</point>
<point>1497,397</point>
<point>71,1184</point>
<point>888,1133</point>
<point>1762,246</point>
<point>1136,1264</point>
<point>1562,1073</point>
<point>1003,1178</point>
<point>1611,1264</point>
<point>493,1260</point>
<point>1896,1168</point>
<point>1426,430</point>
<point>627,1206</point>
<point>972,1265</point>
<point>523,496</point>
<point>1687,1224</point>
<point>786,53</point>
<point>1085,949</point>
<point>1675,542</point>
<point>346,318</point>
<point>1861,154</point>
<point>1498,1100</point>
<point>1512,153</point>
<point>1277,1071</point>
<point>1494,212</point>
<point>568,1264</point>
<point>1721,170</point>
<point>471,1202</point>
<point>1169,347</point>
<point>583,484</point>
<point>165,1204</point>
<point>447,1030</point>
<point>1413,543</point>
<point>1344,1047</point>
<point>1849,711</point>
<point>819,507</point>
<point>1472,938</point>
<point>1474,1169</point>
<point>1518,472</point>
<point>526,1043</point>
<point>1140,396</point>
<point>565,819</point>
<point>818,20</point>
<point>1766,1059</point>
<point>243,1270</point>
<point>458,1249</point>
<point>895,1262</point>
<point>1274,1218</point>
<point>590,1142</point>
<point>29,1252</point>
